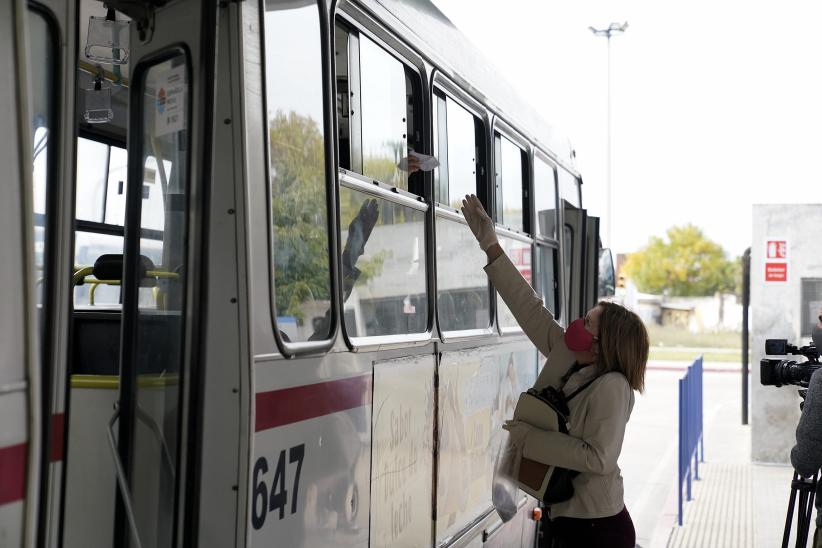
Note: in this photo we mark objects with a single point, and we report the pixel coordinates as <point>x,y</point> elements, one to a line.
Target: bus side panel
<point>402,470</point>
<point>13,457</point>
<point>19,371</point>
<point>478,390</point>
<point>310,470</point>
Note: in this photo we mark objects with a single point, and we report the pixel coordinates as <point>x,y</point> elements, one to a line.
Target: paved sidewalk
<point>735,504</point>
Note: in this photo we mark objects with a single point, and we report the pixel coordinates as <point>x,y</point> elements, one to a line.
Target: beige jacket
<point>599,413</point>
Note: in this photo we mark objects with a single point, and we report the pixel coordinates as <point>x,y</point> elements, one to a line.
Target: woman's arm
<point>536,321</point>
<point>598,449</point>
<point>527,307</point>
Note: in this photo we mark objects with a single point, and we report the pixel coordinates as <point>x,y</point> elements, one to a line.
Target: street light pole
<point>613,28</point>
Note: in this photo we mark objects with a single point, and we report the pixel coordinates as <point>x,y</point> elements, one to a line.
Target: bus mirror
<point>607,278</point>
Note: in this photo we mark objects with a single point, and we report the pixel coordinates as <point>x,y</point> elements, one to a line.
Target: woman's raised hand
<point>479,222</point>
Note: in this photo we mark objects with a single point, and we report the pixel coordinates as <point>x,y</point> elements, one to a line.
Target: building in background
<point>786,292</point>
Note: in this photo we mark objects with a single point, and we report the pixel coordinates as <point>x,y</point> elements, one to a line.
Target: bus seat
<point>110,267</point>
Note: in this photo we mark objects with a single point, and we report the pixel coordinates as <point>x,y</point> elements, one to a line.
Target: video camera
<point>778,372</point>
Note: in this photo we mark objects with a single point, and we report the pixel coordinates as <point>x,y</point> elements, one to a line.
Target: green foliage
<point>380,168</point>
<point>298,212</point>
<point>685,264</point>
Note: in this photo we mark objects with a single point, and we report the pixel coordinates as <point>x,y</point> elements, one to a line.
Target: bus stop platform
<point>735,503</point>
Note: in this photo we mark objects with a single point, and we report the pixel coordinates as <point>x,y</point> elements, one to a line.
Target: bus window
<point>545,199</point>
<point>384,120</point>
<point>547,258</point>
<point>42,67</point>
<point>347,115</point>
<point>520,254</point>
<point>511,174</point>
<point>297,171</point>
<point>462,285</point>
<point>100,214</point>
<point>383,266</point>
<point>384,130</point>
<point>92,165</point>
<point>567,255</point>
<point>457,147</point>
<point>569,188</point>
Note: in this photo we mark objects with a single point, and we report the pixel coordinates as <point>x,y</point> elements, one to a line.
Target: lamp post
<point>613,28</point>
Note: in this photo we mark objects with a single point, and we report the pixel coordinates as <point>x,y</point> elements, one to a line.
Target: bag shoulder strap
<point>580,389</point>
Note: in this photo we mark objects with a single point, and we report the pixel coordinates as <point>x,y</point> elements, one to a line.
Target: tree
<point>299,212</point>
<point>685,264</point>
<point>299,215</point>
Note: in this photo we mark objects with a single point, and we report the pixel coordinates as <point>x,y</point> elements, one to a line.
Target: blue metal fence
<point>691,443</point>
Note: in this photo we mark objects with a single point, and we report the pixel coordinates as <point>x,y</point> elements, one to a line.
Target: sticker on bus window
<point>170,102</point>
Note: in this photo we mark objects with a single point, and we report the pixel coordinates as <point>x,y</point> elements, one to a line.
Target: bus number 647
<point>263,502</point>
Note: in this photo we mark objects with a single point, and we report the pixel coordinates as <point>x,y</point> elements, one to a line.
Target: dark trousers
<point>611,532</point>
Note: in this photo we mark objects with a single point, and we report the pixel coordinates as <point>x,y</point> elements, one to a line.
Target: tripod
<point>806,488</point>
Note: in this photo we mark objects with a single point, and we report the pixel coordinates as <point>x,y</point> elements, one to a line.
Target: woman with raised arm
<point>602,358</point>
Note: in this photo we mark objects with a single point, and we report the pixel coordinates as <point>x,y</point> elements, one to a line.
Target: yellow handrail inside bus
<point>84,275</point>
<point>94,283</point>
<point>112,382</point>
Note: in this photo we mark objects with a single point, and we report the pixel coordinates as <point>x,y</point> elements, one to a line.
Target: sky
<point>716,104</point>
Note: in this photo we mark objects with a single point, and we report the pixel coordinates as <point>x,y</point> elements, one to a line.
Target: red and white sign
<point>776,250</point>
<point>776,272</point>
<point>776,260</point>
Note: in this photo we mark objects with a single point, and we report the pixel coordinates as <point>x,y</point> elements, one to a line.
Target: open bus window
<point>510,162</point>
<point>379,112</point>
<point>297,171</point>
<point>344,103</point>
<point>458,142</point>
<point>545,199</point>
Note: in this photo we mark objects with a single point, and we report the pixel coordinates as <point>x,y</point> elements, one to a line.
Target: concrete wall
<point>775,314</point>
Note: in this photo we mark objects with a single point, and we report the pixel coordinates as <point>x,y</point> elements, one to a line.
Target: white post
<point>607,33</point>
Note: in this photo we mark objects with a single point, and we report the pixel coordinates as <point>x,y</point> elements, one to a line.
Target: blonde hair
<point>623,344</point>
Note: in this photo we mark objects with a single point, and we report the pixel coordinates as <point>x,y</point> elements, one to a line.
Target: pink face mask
<point>577,338</point>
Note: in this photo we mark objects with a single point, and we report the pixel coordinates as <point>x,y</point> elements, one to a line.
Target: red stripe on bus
<point>290,405</point>
<point>57,431</point>
<point>13,472</point>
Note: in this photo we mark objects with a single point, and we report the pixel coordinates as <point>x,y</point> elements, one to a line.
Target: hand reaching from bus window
<point>413,164</point>
<point>479,222</point>
<point>359,231</point>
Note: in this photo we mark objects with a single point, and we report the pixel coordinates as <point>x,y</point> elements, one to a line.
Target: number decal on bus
<point>262,502</point>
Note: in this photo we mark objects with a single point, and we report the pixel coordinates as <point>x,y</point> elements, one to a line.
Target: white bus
<point>234,311</point>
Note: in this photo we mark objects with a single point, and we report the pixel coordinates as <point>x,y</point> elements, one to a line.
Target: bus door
<point>19,391</point>
<point>573,249</point>
<point>169,135</point>
<point>591,258</point>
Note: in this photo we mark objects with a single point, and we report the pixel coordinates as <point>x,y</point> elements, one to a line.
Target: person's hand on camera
<point>518,431</point>
<point>479,222</point>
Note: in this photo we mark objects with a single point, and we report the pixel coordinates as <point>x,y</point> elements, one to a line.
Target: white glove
<point>479,222</point>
